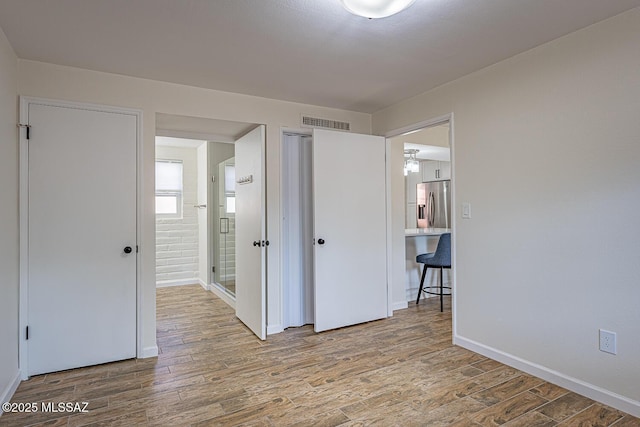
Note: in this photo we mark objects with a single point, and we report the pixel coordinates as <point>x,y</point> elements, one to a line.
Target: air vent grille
<point>315,122</point>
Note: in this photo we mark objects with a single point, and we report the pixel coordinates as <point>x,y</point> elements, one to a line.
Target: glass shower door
<point>226,251</point>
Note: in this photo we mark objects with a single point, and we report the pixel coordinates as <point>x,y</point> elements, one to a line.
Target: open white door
<point>350,229</point>
<point>250,232</point>
<point>81,235</point>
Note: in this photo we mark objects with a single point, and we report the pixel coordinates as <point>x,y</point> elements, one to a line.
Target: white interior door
<point>81,217</point>
<point>250,232</point>
<point>350,229</point>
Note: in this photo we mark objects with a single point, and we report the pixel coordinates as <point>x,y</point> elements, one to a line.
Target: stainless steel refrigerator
<point>434,204</point>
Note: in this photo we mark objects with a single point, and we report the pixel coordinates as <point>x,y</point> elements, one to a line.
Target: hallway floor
<point>212,371</point>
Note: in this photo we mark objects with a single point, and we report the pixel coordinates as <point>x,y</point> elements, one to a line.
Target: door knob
<point>127,249</point>
<point>256,243</point>
<point>321,241</point>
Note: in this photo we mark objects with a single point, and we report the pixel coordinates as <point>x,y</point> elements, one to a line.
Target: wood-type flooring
<point>212,371</point>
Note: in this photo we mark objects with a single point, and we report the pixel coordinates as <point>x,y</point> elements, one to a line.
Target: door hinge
<point>137,249</point>
<point>27,335</point>
<point>27,127</point>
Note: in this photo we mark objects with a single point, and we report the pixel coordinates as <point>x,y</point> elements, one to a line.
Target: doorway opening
<point>333,235</point>
<point>297,230</point>
<point>195,202</point>
<point>427,195</point>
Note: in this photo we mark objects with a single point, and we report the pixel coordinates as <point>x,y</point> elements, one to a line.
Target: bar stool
<point>441,259</point>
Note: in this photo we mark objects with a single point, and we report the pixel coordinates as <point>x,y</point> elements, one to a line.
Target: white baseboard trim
<point>223,295</point>
<point>203,284</point>
<point>11,388</point>
<point>179,282</point>
<point>578,386</point>
<point>274,329</point>
<point>149,352</point>
<point>400,305</point>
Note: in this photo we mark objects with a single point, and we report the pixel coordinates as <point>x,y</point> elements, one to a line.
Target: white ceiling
<point>310,51</point>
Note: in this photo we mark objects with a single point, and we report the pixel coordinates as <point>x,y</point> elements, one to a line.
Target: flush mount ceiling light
<point>376,8</point>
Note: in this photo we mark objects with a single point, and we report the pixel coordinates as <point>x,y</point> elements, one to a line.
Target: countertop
<point>413,232</point>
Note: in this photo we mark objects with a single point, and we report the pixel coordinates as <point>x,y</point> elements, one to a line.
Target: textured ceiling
<point>310,51</point>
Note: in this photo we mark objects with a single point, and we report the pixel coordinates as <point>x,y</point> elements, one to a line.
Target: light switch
<point>466,210</point>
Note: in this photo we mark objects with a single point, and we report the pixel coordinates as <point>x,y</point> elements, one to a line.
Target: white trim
<point>180,282</point>
<point>389,230</point>
<point>8,392</point>
<point>23,196</point>
<point>420,125</point>
<point>25,101</point>
<point>578,386</point>
<point>274,329</point>
<point>400,305</point>
<point>454,227</point>
<point>203,284</point>
<point>223,295</point>
<point>149,352</point>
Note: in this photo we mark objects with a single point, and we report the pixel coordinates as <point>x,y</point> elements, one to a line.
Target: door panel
<point>82,214</point>
<point>350,217</point>
<point>250,228</point>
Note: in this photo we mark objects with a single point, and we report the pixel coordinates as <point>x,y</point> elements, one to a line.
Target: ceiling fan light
<point>376,8</point>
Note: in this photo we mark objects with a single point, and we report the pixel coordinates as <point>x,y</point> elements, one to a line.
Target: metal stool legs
<point>441,288</point>
<point>424,273</point>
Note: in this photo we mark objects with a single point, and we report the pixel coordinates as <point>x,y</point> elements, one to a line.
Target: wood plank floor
<point>212,371</point>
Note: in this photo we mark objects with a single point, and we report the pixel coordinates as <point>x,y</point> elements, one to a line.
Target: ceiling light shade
<point>376,8</point>
<point>411,164</point>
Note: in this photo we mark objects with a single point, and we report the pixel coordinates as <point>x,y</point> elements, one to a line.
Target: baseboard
<point>11,388</point>
<point>578,386</point>
<point>223,295</point>
<point>203,284</point>
<point>274,329</point>
<point>400,305</point>
<point>149,352</point>
<point>180,282</point>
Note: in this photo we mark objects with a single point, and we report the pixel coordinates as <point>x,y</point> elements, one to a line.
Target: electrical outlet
<point>608,341</point>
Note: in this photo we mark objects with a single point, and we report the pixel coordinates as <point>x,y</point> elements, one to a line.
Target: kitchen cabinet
<point>435,170</point>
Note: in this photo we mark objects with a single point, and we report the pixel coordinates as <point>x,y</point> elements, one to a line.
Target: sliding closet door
<point>349,228</point>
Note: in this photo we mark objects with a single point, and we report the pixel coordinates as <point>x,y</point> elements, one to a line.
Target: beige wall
<point>74,84</point>
<point>8,219</point>
<point>546,149</point>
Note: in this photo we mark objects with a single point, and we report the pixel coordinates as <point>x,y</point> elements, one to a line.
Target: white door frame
<point>400,131</point>
<point>23,347</point>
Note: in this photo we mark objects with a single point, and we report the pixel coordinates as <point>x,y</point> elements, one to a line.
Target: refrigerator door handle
<point>432,209</point>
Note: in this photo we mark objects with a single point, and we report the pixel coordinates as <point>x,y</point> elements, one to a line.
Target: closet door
<point>350,229</point>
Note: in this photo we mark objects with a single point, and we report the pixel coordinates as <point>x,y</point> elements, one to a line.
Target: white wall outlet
<point>608,341</point>
<point>466,210</point>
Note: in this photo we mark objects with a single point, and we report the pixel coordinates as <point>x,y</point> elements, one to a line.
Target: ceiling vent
<point>314,122</point>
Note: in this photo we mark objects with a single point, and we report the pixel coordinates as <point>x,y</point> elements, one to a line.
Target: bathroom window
<point>169,188</point>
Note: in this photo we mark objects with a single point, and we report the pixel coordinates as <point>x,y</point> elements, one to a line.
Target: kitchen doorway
<point>422,154</point>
